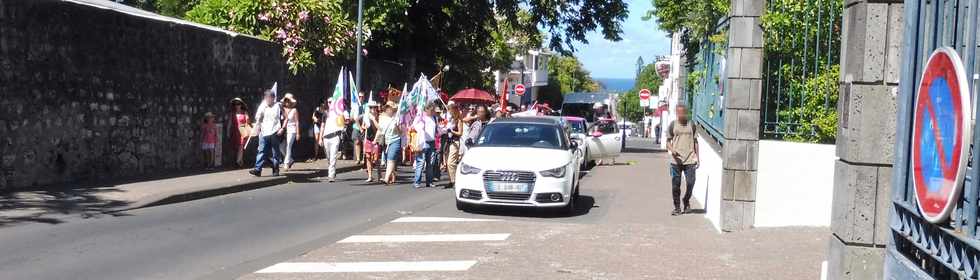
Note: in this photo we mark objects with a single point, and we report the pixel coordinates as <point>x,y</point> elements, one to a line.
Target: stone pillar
<point>871,50</point>
<point>741,148</point>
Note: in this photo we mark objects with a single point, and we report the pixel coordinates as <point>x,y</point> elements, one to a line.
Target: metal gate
<point>919,249</point>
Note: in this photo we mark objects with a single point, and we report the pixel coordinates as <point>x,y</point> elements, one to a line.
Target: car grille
<point>509,176</point>
<point>508,196</point>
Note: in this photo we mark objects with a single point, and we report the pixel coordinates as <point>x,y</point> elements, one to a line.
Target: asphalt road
<point>214,238</point>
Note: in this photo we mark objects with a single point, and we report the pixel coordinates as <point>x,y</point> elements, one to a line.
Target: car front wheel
<point>569,208</point>
<point>462,206</point>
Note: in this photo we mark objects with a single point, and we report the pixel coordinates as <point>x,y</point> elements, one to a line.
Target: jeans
<point>288,150</point>
<point>268,150</point>
<point>675,178</point>
<point>423,163</point>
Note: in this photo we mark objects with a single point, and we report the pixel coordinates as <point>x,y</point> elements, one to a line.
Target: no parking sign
<point>941,133</point>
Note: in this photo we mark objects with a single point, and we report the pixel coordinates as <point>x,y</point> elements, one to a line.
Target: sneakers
<point>676,212</point>
<point>330,179</point>
<point>255,173</point>
<point>687,209</point>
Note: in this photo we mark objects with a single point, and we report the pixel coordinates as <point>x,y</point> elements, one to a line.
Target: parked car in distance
<point>577,131</point>
<point>604,142</point>
<point>520,161</point>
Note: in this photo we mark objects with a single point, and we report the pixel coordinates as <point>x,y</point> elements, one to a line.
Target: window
<point>521,135</point>
<point>606,127</point>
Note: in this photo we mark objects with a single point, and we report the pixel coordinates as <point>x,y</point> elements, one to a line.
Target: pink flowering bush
<point>305,28</point>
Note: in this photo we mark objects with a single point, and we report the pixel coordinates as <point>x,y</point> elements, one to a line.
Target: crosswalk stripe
<point>424,238</point>
<point>324,267</point>
<point>439,220</point>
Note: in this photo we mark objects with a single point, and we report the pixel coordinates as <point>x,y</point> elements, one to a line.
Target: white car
<point>577,131</point>
<point>604,141</point>
<point>521,161</point>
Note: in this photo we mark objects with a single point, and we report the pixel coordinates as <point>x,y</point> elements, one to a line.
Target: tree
<point>694,19</point>
<point>305,28</point>
<point>565,75</point>
<point>629,102</point>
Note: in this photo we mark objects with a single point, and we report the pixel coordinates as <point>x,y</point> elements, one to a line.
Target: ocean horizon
<point>616,85</point>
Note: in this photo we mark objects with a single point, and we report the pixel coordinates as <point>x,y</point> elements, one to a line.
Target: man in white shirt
<point>425,129</point>
<point>268,127</point>
<point>330,135</point>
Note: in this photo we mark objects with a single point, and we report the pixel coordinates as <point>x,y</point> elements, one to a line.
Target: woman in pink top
<point>239,128</point>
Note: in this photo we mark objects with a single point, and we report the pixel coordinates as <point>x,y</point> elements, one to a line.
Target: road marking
<point>323,267</point>
<point>439,220</point>
<point>424,238</point>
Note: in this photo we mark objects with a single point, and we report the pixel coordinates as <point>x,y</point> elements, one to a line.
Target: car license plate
<point>508,187</point>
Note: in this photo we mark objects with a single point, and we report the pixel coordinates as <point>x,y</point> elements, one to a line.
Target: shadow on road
<point>583,205</point>
<point>42,206</point>
<point>643,150</point>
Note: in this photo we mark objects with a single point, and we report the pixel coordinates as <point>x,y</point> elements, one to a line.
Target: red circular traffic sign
<point>941,133</point>
<point>644,94</point>
<point>519,89</point>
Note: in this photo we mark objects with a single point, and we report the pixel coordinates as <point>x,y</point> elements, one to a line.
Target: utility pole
<point>360,41</point>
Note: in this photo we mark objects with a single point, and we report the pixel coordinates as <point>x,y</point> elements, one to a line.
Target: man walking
<point>268,119</point>
<point>330,137</point>
<point>682,144</point>
<point>425,129</point>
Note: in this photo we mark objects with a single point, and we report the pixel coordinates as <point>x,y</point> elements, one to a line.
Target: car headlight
<point>467,170</point>
<point>555,173</point>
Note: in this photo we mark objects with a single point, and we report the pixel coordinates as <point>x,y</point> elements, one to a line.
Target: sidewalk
<point>88,201</point>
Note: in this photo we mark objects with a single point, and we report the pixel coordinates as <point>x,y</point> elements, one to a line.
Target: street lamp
<point>360,41</point>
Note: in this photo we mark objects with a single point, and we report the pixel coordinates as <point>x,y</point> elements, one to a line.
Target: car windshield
<point>577,126</point>
<point>521,135</point>
<point>606,127</point>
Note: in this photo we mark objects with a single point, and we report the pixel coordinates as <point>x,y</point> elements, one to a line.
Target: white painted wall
<point>707,187</point>
<point>795,184</point>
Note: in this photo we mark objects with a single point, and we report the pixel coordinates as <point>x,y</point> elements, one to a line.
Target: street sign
<point>941,132</point>
<point>519,89</point>
<point>644,94</point>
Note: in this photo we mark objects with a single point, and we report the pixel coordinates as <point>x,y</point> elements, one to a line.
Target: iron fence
<point>801,70</point>
<point>949,250</point>
<point>706,84</point>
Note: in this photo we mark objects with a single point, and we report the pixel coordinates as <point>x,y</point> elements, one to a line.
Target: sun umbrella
<point>472,95</point>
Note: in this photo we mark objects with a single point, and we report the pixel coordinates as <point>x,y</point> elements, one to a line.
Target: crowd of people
<point>432,144</point>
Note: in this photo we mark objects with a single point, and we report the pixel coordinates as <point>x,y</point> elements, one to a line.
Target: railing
<point>949,250</point>
<point>800,73</point>
<point>706,84</point>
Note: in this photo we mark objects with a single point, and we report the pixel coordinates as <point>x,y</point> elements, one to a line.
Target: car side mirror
<point>573,145</point>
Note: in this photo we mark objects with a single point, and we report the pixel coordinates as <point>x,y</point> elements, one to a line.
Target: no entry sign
<point>519,89</point>
<point>941,132</point>
<point>644,94</point>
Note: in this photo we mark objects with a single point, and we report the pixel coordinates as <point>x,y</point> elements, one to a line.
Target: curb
<point>223,190</point>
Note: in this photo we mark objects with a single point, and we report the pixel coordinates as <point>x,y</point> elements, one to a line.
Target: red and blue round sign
<point>941,133</point>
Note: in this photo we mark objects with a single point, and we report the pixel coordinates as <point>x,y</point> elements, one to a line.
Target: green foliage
<point>808,75</point>
<point>696,19</point>
<point>565,75</point>
<point>174,8</point>
<point>629,102</point>
<point>304,27</point>
<point>816,115</point>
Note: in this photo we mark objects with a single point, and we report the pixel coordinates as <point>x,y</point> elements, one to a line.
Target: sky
<point>606,59</point>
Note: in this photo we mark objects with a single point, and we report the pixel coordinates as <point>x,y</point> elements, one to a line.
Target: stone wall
<point>870,64</point>
<point>90,90</point>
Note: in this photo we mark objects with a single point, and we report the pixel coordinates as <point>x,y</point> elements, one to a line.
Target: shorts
<point>394,150</point>
<point>207,146</point>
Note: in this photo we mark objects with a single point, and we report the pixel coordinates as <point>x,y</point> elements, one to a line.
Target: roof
<point>573,118</point>
<point>532,120</point>
<point>585,97</point>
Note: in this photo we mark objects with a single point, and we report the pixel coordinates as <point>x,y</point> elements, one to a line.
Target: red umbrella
<point>472,95</point>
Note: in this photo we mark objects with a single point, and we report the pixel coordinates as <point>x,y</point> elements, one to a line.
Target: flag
<point>503,97</point>
<point>275,91</point>
<point>338,95</point>
<point>355,103</point>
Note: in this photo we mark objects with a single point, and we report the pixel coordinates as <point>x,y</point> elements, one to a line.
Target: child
<point>209,137</point>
